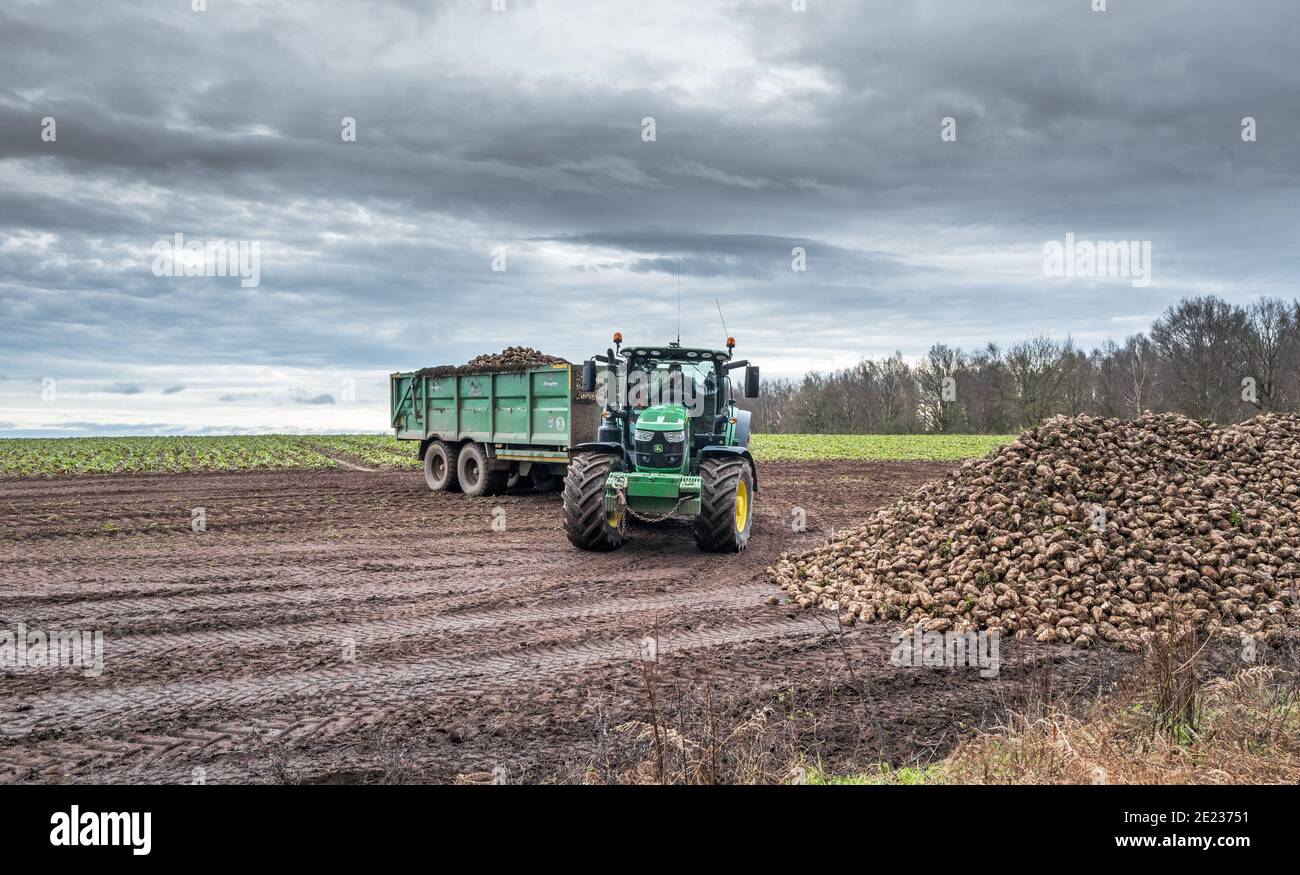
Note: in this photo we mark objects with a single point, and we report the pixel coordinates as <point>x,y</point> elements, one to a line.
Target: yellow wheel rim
<point>614,518</point>
<point>742,505</point>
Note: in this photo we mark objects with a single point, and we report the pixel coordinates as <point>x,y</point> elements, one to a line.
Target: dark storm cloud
<point>520,133</point>
<point>749,256</point>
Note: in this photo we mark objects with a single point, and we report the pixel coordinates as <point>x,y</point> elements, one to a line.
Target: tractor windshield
<point>694,385</point>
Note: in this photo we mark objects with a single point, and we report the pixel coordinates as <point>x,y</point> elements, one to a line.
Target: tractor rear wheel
<point>440,467</point>
<point>586,523</point>
<point>726,505</point>
<point>477,478</point>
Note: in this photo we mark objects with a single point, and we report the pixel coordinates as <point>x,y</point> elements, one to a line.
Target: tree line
<point>1204,357</point>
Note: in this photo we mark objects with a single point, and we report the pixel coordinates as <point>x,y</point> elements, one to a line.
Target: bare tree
<point>813,407</point>
<point>1140,365</point>
<point>1269,344</point>
<point>1199,341</point>
<point>896,395</point>
<point>936,380</point>
<point>1037,368</point>
<point>1078,387</point>
<point>983,379</point>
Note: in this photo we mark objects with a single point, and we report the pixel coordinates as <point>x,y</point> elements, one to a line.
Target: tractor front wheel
<point>586,523</point>
<point>726,505</point>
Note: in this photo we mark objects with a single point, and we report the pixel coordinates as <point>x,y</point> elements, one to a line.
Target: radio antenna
<point>724,321</point>
<point>679,300</point>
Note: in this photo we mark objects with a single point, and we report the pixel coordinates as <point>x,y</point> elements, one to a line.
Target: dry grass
<point>691,734</point>
<point>1168,729</point>
<point>1165,724</point>
<point>689,737</point>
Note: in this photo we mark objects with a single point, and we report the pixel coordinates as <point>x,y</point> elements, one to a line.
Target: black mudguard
<point>611,448</point>
<point>743,452</point>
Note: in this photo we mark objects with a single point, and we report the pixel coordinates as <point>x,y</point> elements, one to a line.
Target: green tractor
<point>672,444</point>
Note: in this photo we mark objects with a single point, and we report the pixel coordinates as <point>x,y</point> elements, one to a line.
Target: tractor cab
<point>673,404</point>
<point>672,443</point>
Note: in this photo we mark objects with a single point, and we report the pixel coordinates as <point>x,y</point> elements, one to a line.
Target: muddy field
<point>351,625</point>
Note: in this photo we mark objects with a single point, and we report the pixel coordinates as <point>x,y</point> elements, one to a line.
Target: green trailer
<point>481,433</point>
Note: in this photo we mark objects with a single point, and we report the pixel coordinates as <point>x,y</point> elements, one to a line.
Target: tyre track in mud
<point>370,631</point>
<point>222,637</point>
<point>369,595</point>
<point>162,654</point>
<point>92,732</point>
<point>371,684</point>
<point>110,579</point>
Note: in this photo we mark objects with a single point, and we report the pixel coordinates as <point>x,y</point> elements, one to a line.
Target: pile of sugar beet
<point>512,358</point>
<point>1083,530</point>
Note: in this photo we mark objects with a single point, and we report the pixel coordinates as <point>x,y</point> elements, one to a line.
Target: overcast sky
<point>521,132</point>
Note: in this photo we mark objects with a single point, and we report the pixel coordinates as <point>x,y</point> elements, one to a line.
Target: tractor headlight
<point>674,437</point>
<point>644,435</point>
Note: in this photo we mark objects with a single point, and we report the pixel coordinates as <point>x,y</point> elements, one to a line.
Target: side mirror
<point>589,376</point>
<point>751,381</point>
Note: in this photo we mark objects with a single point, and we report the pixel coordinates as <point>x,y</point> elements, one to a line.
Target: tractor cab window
<point>690,384</point>
<point>710,393</point>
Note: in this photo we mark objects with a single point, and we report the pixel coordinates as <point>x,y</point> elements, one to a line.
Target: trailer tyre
<point>473,469</point>
<point>726,505</point>
<point>586,523</point>
<point>440,467</point>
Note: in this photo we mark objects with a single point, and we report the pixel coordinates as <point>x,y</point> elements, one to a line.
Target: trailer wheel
<point>440,468</point>
<point>586,523</point>
<point>475,474</point>
<point>726,505</point>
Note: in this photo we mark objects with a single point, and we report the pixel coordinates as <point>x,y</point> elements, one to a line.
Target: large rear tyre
<point>586,523</point>
<point>726,505</point>
<point>475,474</point>
<point>440,467</point>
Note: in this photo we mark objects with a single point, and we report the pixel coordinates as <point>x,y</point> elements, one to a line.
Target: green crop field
<point>112,455</point>
<point>371,450</point>
<point>893,447</point>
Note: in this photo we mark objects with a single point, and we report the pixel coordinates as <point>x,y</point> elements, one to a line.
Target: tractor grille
<point>669,457</point>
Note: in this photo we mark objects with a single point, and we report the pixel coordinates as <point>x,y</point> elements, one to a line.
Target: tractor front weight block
<point>650,493</point>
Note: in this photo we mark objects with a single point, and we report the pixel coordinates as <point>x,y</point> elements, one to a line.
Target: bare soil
<point>350,625</point>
